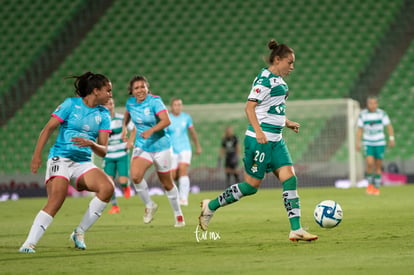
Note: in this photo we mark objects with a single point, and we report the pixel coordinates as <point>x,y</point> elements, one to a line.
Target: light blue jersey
<point>145,115</point>
<point>78,120</point>
<point>178,130</point>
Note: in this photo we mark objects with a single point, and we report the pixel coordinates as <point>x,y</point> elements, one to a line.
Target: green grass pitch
<point>376,236</point>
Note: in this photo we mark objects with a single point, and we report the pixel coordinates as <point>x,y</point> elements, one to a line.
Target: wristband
<point>391,138</point>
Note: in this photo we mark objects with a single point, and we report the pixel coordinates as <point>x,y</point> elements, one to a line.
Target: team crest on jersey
<point>257,90</point>
<point>146,111</point>
<point>254,168</point>
<point>98,119</point>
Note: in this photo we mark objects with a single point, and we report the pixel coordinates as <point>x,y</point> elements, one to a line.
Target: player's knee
<point>136,179</point>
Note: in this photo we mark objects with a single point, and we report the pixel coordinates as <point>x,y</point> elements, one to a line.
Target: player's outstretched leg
<point>232,194</point>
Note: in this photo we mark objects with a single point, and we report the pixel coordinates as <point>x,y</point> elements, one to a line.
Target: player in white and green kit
<point>265,149</point>
<point>116,161</point>
<point>371,123</point>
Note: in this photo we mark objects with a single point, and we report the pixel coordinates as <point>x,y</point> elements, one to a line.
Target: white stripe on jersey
<point>270,109</point>
<point>373,125</point>
<point>270,136</point>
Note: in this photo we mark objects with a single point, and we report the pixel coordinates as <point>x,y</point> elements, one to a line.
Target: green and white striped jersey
<point>116,146</point>
<point>373,126</point>
<point>270,91</point>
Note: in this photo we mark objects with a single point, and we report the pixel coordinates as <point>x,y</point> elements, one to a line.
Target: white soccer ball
<point>328,214</point>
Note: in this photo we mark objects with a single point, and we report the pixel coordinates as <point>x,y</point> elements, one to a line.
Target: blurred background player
<point>181,124</point>
<point>116,160</point>
<point>230,151</point>
<point>84,127</point>
<point>371,123</point>
<point>152,146</point>
<point>265,149</point>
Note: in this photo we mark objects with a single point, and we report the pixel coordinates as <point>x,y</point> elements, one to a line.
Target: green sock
<point>123,185</point>
<point>370,178</point>
<point>377,180</point>
<point>113,199</point>
<point>292,202</point>
<point>232,194</point>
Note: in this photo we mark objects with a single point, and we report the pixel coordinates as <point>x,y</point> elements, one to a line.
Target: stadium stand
<point>201,51</point>
<point>396,98</point>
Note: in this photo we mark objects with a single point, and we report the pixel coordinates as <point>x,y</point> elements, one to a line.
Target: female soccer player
<point>82,121</point>
<point>371,123</point>
<point>152,145</point>
<point>181,124</point>
<point>116,161</point>
<point>265,149</point>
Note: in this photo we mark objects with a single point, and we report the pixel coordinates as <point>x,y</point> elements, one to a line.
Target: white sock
<point>173,198</point>
<point>142,190</point>
<point>184,187</point>
<point>94,211</point>
<point>39,226</point>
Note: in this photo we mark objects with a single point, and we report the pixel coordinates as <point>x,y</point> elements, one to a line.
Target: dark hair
<point>280,50</point>
<point>84,84</point>
<point>175,99</point>
<point>137,78</point>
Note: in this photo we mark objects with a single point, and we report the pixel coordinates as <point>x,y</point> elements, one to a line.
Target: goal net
<point>323,151</point>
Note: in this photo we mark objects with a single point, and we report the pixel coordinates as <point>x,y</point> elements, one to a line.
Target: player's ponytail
<point>280,50</point>
<point>84,84</point>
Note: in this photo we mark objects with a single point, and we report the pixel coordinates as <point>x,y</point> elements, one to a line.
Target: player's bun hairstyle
<point>137,78</point>
<point>84,84</point>
<point>280,50</point>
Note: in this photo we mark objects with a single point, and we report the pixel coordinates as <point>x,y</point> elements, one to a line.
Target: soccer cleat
<point>370,189</point>
<point>127,191</point>
<point>179,221</point>
<point>183,202</point>
<point>375,191</point>
<point>78,239</point>
<point>149,213</point>
<point>27,249</point>
<point>205,216</point>
<point>301,235</point>
<point>114,209</point>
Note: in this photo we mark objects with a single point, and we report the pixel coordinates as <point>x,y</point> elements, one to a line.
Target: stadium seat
<point>201,51</point>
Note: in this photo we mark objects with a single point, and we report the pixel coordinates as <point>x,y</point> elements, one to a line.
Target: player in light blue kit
<point>82,121</point>
<point>152,145</point>
<point>181,124</point>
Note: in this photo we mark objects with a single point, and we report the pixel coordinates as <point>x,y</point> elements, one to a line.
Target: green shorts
<point>260,159</point>
<point>376,151</point>
<point>120,165</point>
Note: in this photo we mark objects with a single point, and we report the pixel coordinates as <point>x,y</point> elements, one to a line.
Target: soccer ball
<point>328,214</point>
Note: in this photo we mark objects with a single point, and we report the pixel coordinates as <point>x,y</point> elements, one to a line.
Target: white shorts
<point>68,169</point>
<point>182,157</point>
<point>161,160</point>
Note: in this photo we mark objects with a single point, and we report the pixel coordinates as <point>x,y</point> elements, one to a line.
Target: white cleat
<point>183,202</point>
<point>205,215</point>
<point>27,249</point>
<point>179,221</point>
<point>301,235</point>
<point>78,239</point>
<point>149,213</point>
